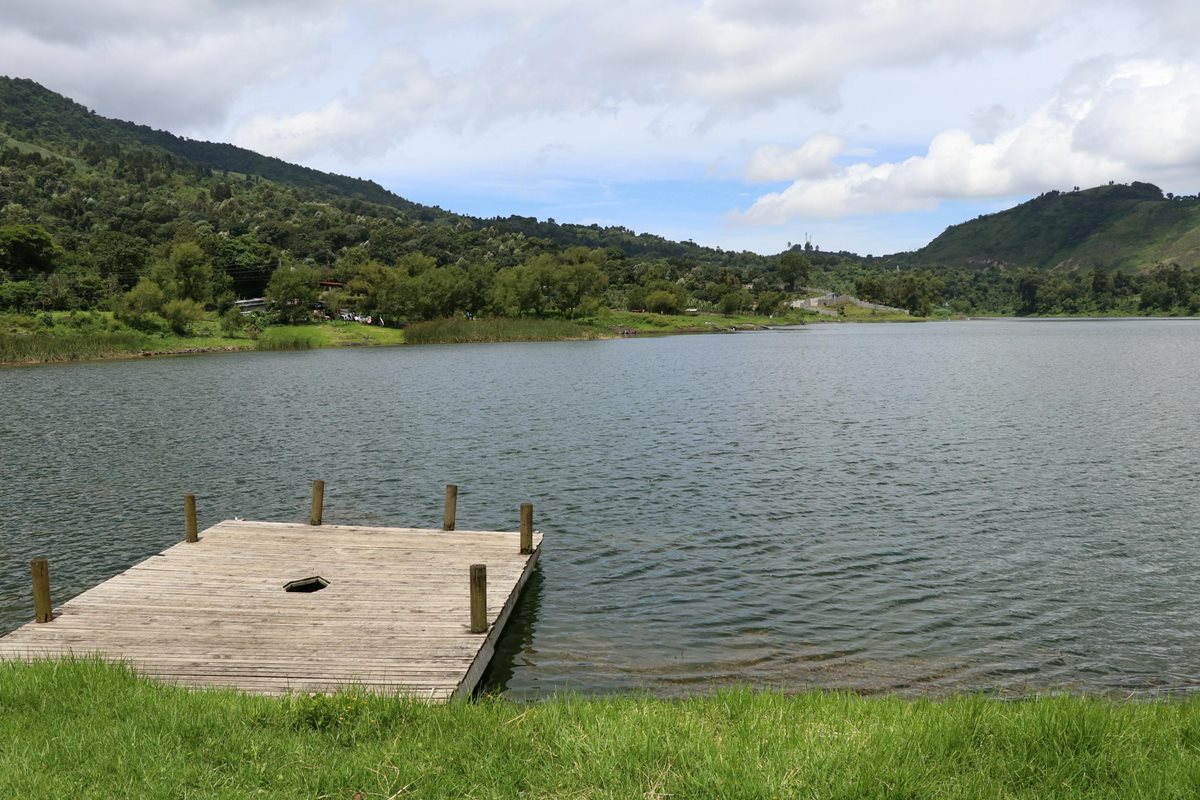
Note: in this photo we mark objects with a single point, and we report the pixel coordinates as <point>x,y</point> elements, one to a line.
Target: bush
<point>769,303</point>
<point>180,314</point>
<point>232,322</point>
<point>734,302</point>
<point>662,302</point>
<point>19,295</point>
<point>140,306</point>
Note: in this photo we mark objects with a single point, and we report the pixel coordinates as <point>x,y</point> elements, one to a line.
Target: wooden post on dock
<point>39,568</point>
<point>478,598</point>
<point>451,507</point>
<point>318,502</point>
<point>526,528</point>
<point>189,519</point>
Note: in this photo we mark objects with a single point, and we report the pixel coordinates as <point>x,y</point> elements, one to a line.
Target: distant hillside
<point>38,119</point>
<point>1129,227</point>
<point>31,112</point>
<point>93,208</point>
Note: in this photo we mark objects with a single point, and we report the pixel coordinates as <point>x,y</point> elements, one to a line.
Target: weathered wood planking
<point>395,617</point>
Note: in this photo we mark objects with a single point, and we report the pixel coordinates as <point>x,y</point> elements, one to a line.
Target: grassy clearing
<point>848,312</point>
<point>290,337</point>
<point>498,329</point>
<point>645,322</point>
<point>348,334</point>
<point>330,334</point>
<point>87,730</point>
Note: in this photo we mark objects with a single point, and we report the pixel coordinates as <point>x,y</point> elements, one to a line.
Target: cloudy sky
<point>868,125</point>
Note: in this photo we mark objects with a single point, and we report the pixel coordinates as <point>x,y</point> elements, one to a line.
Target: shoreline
<point>306,337</point>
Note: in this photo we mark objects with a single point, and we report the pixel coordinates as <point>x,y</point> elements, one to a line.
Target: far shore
<point>66,341</point>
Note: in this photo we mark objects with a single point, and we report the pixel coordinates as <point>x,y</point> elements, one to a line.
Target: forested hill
<point>30,112</point>
<point>1119,226</point>
<point>97,214</point>
<point>36,120</point>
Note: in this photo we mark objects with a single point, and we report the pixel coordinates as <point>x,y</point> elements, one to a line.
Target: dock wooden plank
<point>395,617</point>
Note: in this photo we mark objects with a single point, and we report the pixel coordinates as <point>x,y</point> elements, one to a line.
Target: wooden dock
<point>235,608</point>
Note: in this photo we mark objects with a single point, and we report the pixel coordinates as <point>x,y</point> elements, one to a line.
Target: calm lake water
<point>995,505</point>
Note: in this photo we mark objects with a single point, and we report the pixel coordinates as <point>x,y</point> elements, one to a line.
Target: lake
<point>1001,505</point>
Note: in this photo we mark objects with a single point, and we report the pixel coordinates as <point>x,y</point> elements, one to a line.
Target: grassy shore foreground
<point>84,729</point>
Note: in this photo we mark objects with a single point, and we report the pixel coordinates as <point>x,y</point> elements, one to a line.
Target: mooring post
<point>318,503</point>
<point>526,528</point>
<point>451,507</point>
<point>189,519</point>
<point>478,598</point>
<point>40,569</point>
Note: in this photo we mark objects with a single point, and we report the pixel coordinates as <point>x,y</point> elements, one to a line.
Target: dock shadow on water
<point>515,649</point>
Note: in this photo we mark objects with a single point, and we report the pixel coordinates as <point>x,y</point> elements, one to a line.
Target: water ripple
<point>1001,506</point>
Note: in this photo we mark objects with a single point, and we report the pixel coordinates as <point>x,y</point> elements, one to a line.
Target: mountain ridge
<point>1118,226</point>
<point>34,115</point>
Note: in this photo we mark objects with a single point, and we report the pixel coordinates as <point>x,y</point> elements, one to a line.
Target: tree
<point>1028,284</point>
<point>518,290</point>
<point>734,301</point>
<point>769,303</point>
<point>794,269</point>
<point>1157,296</point>
<point>27,249</point>
<point>662,302</point>
<point>635,297</point>
<point>477,298</point>
<point>439,292</point>
<point>193,272</point>
<point>140,306</point>
<point>569,283</point>
<point>180,314</point>
<point>116,253</point>
<point>248,263</point>
<point>292,291</point>
<point>916,292</point>
<point>19,295</point>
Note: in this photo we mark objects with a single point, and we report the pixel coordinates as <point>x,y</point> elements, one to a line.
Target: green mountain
<point>91,207</point>
<point>1129,227</point>
<point>30,112</point>
<point>36,121</point>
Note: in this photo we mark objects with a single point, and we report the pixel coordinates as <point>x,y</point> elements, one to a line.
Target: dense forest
<point>102,214</point>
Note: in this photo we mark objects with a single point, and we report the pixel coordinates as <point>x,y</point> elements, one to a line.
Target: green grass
<point>646,322</point>
<point>330,334</point>
<point>48,347</point>
<point>498,329</point>
<point>67,336</point>
<point>291,337</point>
<point>848,312</point>
<point>348,334</point>
<point>86,730</point>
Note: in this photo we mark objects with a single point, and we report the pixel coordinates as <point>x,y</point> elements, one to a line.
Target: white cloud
<point>813,159</point>
<point>398,94</point>
<point>718,61</point>
<point>1128,120</point>
<point>170,65</point>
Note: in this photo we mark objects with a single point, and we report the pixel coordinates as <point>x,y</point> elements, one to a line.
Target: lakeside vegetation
<point>85,729</point>
<point>88,335</point>
<point>98,215</point>
<point>498,329</point>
